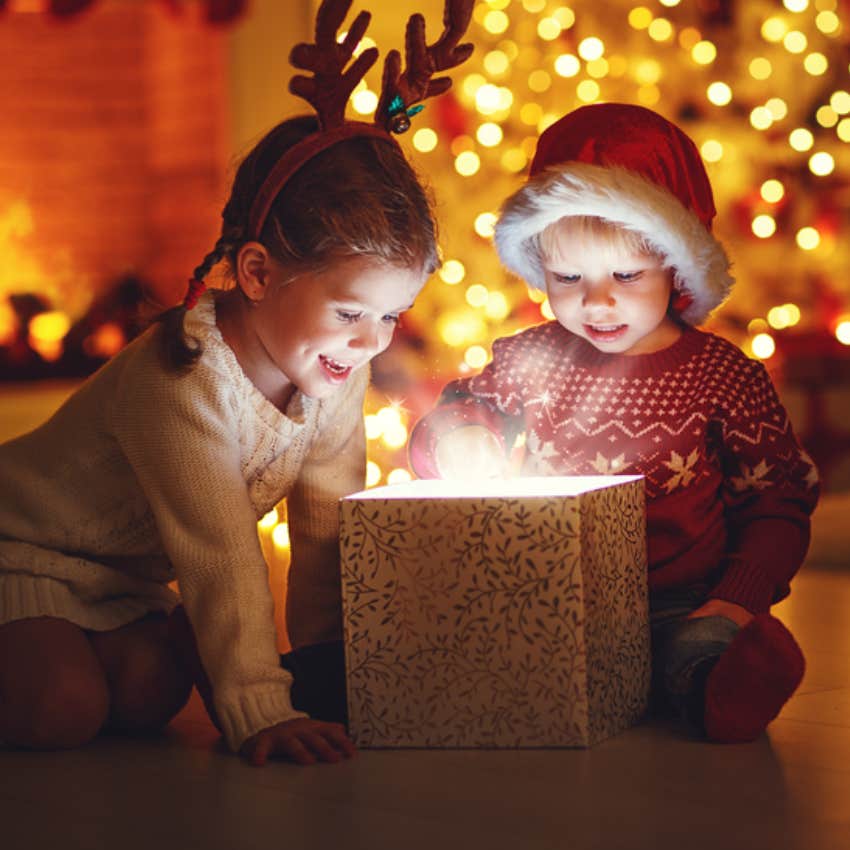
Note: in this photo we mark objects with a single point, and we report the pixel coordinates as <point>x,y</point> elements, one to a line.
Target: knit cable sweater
<point>729,489</point>
<point>145,475</point>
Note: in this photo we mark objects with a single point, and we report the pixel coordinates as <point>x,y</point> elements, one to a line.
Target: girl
<point>614,224</point>
<point>161,464</point>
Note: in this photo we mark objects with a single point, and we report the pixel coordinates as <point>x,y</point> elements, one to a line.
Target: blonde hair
<point>549,240</point>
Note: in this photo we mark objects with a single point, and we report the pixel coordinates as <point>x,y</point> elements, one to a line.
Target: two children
<point>614,224</point>
<point>160,465</point>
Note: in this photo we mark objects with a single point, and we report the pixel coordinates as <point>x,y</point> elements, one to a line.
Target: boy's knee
<point>66,711</point>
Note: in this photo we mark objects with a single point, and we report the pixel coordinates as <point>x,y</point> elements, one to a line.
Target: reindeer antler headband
<point>328,90</point>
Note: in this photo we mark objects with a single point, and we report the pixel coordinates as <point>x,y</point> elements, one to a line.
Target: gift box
<point>495,614</point>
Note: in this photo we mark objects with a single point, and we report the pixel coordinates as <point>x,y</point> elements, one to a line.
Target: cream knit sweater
<point>144,476</point>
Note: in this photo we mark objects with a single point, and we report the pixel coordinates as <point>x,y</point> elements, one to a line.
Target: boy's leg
<point>148,684</point>
<point>53,692</point>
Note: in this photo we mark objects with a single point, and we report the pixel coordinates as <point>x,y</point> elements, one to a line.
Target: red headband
<point>297,156</point>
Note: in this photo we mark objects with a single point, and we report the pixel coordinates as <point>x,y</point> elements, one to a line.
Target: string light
<point>452,272</point>
<point>467,163</point>
<point>711,150</point>
<point>567,65</point>
<point>425,139</point>
<point>398,476</point>
<point>816,64</point>
<point>801,139</point>
<point>760,68</point>
<point>821,163</point>
<point>373,474</point>
<point>764,226</point>
<point>485,225</point>
<point>763,346</point>
<point>772,191</point>
<point>703,53</point>
<point>808,238</point>
<point>774,30</point>
<point>842,331</point>
<point>719,94</point>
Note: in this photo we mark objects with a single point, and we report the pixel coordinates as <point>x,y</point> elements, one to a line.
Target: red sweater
<point>729,489</point>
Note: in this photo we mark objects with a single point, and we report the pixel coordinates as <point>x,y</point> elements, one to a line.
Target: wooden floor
<point>648,788</point>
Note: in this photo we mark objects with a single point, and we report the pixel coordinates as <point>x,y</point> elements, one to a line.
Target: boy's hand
<point>471,451</point>
<point>303,740</point>
<point>720,608</point>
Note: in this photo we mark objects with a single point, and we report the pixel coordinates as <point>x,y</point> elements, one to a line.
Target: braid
<point>179,349</point>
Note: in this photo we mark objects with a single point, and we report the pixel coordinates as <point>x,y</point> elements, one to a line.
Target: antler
<point>399,91</point>
<point>329,88</point>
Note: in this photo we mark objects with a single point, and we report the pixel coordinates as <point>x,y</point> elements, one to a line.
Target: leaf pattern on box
<point>495,622</point>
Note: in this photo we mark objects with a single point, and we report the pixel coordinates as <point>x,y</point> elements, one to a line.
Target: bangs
<point>599,230</point>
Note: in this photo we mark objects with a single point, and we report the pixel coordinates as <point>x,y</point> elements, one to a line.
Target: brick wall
<point>115,133</point>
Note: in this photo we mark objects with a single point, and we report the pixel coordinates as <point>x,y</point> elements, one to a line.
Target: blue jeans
<point>684,651</point>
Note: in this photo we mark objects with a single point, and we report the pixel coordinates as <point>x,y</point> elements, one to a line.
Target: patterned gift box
<point>495,614</point>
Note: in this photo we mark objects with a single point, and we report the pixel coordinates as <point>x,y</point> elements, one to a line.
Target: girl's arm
<point>180,435</point>
<point>771,489</point>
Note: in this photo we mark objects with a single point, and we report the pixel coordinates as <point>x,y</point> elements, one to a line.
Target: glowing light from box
<point>772,191</point>
<point>808,238</point>
<point>760,68</point>
<point>452,272</point>
<point>591,48</point>
<point>373,473</point>
<point>821,163</point>
<point>280,535</point>
<point>801,139</point>
<point>816,64</point>
<point>720,94</point>
<point>711,150</point>
<point>763,226</point>
<point>425,139</point>
<point>763,346</point>
<point>703,52</point>
<point>566,65</point>
<point>842,332</point>
<point>269,521</point>
<point>467,163</point>
<point>640,18</point>
<point>485,224</point>
<point>774,30</point>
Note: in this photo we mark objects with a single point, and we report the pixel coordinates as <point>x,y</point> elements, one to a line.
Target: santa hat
<point>630,166</point>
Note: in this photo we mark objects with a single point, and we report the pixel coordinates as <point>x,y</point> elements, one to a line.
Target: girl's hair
<point>548,241</point>
<point>358,197</point>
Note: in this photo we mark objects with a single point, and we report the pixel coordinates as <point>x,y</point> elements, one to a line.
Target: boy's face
<point>614,296</point>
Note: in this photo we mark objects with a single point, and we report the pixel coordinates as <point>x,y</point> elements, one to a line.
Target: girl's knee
<point>149,689</point>
<point>66,711</point>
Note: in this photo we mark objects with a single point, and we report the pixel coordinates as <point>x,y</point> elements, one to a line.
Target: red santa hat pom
<point>630,166</point>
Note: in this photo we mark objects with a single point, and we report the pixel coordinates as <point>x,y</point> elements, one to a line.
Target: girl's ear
<point>254,271</point>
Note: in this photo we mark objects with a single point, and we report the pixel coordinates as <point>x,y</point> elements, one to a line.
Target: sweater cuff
<point>422,446</point>
<point>747,585</point>
<point>254,709</point>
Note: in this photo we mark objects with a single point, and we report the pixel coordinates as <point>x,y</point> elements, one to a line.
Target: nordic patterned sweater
<point>144,476</point>
<point>729,489</point>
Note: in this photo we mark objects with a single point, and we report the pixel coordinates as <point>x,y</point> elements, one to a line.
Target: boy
<point>614,223</point>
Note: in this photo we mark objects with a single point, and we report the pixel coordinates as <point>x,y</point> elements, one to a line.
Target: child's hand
<point>720,608</point>
<point>471,451</point>
<point>303,740</point>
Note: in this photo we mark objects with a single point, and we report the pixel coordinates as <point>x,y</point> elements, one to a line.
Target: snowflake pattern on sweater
<point>726,479</point>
